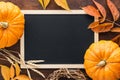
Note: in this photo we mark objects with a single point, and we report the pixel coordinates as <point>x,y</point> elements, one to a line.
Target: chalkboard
<point>59,39</point>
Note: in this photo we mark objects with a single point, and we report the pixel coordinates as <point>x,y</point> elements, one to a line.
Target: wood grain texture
<point>74,4</point>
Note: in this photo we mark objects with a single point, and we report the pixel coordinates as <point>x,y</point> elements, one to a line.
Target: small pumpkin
<point>102,60</point>
<point>11,24</point>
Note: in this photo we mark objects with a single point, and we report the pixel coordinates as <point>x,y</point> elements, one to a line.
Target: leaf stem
<point>113,22</point>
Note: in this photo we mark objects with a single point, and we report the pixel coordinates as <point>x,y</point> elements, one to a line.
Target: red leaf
<point>105,27</point>
<point>101,9</point>
<point>113,9</point>
<point>91,11</point>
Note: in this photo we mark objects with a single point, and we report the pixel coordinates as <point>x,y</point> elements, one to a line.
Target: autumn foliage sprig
<point>99,13</point>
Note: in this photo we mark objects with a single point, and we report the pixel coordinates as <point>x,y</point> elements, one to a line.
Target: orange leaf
<point>63,4</point>
<point>101,9</point>
<point>93,24</point>
<point>17,69</point>
<point>22,77</point>
<point>113,9</point>
<point>116,29</point>
<point>90,10</point>
<point>5,71</point>
<point>12,72</point>
<point>105,27</point>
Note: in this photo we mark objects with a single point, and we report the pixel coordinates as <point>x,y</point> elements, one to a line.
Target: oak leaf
<point>102,10</point>
<point>104,27</point>
<point>116,29</point>
<point>63,4</point>
<point>90,10</point>
<point>113,9</point>
<point>44,3</point>
<point>5,71</point>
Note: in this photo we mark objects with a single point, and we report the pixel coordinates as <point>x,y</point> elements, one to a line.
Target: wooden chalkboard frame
<point>45,66</point>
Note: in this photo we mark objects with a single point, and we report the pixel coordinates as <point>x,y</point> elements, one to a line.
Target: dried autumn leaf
<point>117,39</point>
<point>90,10</point>
<point>105,27</point>
<point>17,69</point>
<point>63,4</point>
<point>116,29</point>
<point>21,77</point>
<point>12,72</point>
<point>5,71</point>
<point>44,3</point>
<point>93,24</point>
<point>113,9</point>
<point>101,9</point>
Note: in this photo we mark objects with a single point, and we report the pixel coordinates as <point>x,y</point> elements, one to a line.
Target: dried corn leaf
<point>17,69</point>
<point>44,3</point>
<point>21,77</point>
<point>116,29</point>
<point>113,9</point>
<point>63,4</point>
<point>105,27</point>
<point>5,71</point>
<point>102,10</point>
<point>93,24</point>
<point>12,72</point>
<point>90,10</point>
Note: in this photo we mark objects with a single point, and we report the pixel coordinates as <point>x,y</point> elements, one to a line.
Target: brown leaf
<point>17,69</point>
<point>101,9</point>
<point>5,71</point>
<point>117,39</point>
<point>12,72</point>
<point>93,24</point>
<point>44,3</point>
<point>105,27</point>
<point>63,4</point>
<point>90,10</point>
<point>116,29</point>
<point>22,77</point>
<point>113,9</point>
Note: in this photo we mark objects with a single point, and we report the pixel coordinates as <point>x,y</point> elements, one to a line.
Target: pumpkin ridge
<point>112,71</point>
<point>9,39</point>
<point>14,33</point>
<point>4,33</point>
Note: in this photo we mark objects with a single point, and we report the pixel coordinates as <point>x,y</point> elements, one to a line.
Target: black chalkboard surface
<point>57,38</point>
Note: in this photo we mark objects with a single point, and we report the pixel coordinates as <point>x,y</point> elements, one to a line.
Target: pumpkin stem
<point>4,24</point>
<point>101,63</point>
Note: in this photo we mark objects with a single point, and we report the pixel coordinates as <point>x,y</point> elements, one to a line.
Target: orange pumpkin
<point>102,60</point>
<point>11,24</point>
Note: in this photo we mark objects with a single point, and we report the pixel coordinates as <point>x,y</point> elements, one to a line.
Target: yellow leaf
<point>63,4</point>
<point>21,77</point>
<point>17,69</point>
<point>44,3</point>
<point>12,71</point>
<point>41,2</point>
<point>5,71</point>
